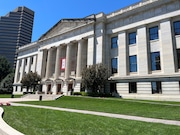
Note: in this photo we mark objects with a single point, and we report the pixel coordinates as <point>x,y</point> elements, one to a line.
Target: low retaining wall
<point>5,129</point>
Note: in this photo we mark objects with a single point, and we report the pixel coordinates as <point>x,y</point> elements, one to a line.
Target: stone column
<point>28,68</point>
<point>91,51</point>
<point>22,69</point>
<point>142,48</point>
<point>17,72</point>
<point>166,46</point>
<point>57,65</point>
<point>68,55</point>
<point>79,59</point>
<point>122,54</point>
<point>39,66</point>
<point>48,66</point>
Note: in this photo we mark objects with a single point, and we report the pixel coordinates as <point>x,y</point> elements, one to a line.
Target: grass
<point>119,106</point>
<point>9,96</point>
<point>34,121</point>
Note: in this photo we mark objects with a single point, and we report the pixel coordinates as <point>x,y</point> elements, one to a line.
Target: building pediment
<point>65,25</point>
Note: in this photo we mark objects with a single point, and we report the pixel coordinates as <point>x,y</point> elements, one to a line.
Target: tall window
<point>114,65</point>
<point>178,57</point>
<point>132,87</point>
<point>153,33</point>
<point>177,28</point>
<point>133,63</point>
<point>132,38</point>
<point>113,87</point>
<point>156,87</point>
<point>155,61</point>
<point>114,43</point>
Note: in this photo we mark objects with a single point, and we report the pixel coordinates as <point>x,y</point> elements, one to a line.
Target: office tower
<point>15,31</point>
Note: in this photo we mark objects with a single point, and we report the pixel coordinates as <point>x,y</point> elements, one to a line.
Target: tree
<point>5,68</point>
<point>7,83</point>
<point>31,80</point>
<point>94,78</point>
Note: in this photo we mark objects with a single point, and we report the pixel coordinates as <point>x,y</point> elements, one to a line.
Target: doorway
<point>58,89</point>
<point>49,89</point>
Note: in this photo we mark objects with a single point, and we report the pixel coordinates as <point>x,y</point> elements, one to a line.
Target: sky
<point>49,12</point>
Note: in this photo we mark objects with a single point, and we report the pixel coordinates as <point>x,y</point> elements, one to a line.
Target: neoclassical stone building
<point>140,44</point>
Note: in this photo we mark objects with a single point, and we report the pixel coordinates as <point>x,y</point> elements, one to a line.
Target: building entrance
<point>49,89</point>
<point>58,89</point>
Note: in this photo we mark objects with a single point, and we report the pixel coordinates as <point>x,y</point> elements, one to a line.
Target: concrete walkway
<point>127,117</point>
<point>9,100</point>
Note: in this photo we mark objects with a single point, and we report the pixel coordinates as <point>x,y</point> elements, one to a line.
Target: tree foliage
<point>94,77</point>
<point>30,80</point>
<point>5,68</point>
<point>7,83</point>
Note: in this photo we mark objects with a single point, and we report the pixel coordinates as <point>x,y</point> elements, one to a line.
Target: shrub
<point>77,93</point>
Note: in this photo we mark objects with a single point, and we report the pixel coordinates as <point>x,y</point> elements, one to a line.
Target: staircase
<point>44,96</point>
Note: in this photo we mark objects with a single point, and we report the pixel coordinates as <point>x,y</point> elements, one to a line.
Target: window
<point>113,87</point>
<point>132,38</point>
<point>177,28</point>
<point>114,65</point>
<point>155,61</point>
<point>156,87</point>
<point>132,87</point>
<point>133,63</point>
<point>178,57</point>
<point>114,43</point>
<point>153,33</point>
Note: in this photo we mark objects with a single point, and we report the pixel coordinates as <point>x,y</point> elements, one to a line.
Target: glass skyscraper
<point>15,31</point>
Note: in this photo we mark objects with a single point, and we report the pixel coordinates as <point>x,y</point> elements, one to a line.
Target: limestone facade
<point>140,45</point>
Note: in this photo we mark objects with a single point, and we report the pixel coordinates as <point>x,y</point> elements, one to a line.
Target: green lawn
<point>9,96</point>
<point>119,106</point>
<point>34,121</point>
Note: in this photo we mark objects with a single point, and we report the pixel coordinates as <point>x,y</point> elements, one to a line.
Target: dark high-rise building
<point>15,31</point>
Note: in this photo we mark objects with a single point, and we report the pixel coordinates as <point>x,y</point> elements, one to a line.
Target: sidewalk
<point>127,117</point>
<point>9,100</point>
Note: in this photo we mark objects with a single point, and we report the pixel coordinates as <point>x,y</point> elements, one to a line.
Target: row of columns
<point>68,56</point>
<point>22,67</point>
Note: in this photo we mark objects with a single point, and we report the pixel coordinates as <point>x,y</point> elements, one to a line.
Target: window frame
<point>155,64</point>
<point>178,58</point>
<point>154,33</point>
<point>132,38</point>
<point>114,42</point>
<point>156,87</point>
<point>114,66</point>
<point>132,63</point>
<point>132,87</point>
<point>176,29</point>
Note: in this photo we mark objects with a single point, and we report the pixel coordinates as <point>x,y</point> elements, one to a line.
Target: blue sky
<point>49,12</point>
